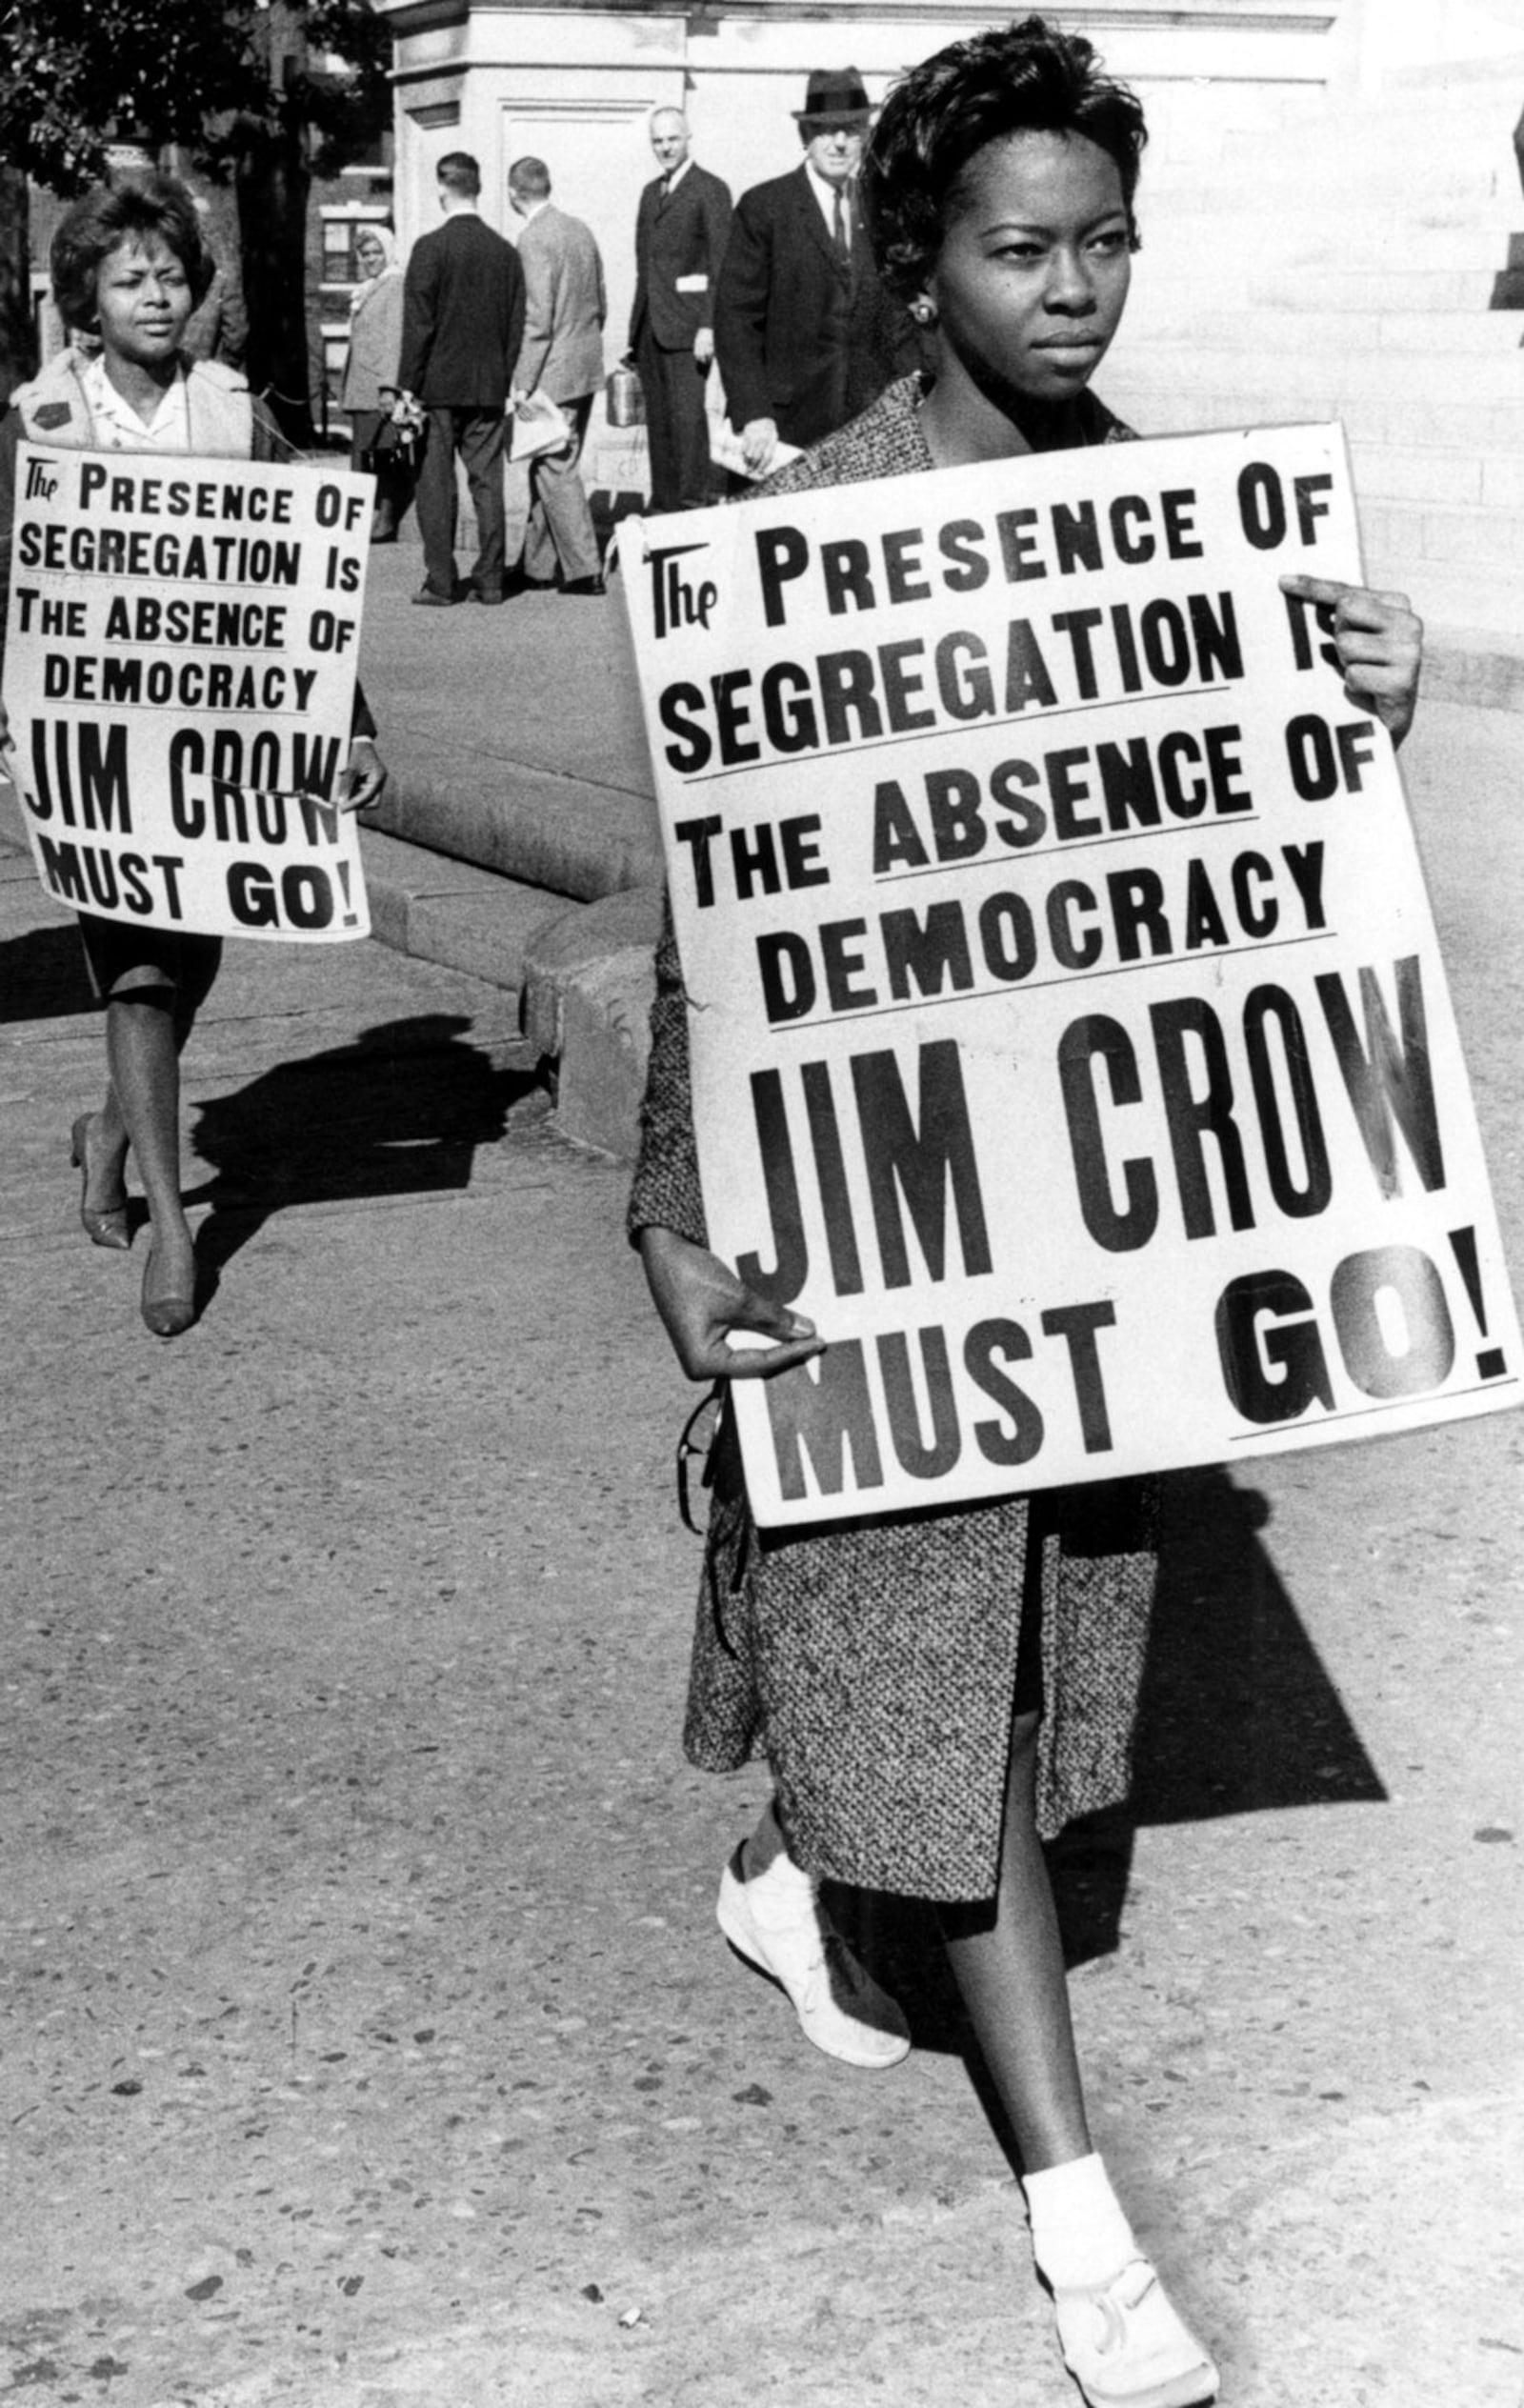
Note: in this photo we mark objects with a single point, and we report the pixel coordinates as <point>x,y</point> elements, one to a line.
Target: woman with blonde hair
<point>369,384</point>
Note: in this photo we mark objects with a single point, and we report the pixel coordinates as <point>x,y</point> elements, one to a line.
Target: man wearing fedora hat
<point>805,334</point>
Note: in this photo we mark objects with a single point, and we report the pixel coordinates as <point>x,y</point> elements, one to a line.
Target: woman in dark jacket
<point>129,267</point>
<point>935,1693</point>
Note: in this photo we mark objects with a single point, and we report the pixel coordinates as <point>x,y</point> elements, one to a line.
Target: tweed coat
<point>873,1663</point>
<point>801,338</point>
<point>564,309</point>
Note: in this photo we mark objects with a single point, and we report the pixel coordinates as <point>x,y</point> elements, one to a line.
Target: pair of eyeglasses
<point>695,1446</point>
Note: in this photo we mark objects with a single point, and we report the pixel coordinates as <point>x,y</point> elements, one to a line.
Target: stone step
<point>583,970</point>
<point>1343,155</point>
<point>1427,472</point>
<point>1306,384</point>
<point>1437,292</point>
<point>1447,134</point>
<point>1480,667</point>
<point>1330,333</point>
<point>1284,228</point>
<point>1218,395</point>
<point>442,909</point>
<point>1446,598</point>
<point>564,834</point>
<point>1488,541</point>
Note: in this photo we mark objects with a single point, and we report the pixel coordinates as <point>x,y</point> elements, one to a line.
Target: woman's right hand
<point>701,1302</point>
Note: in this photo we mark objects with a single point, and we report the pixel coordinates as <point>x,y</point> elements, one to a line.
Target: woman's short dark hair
<point>103,221</point>
<point>1021,78</point>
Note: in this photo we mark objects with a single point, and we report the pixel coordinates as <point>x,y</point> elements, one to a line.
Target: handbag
<point>394,448</point>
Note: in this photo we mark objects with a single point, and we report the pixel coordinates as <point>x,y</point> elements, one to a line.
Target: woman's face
<point>1032,278</point>
<point>368,256</point>
<point>142,300</point>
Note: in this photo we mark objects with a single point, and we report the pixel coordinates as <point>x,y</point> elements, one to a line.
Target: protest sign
<point>1069,1038</point>
<point>180,664</point>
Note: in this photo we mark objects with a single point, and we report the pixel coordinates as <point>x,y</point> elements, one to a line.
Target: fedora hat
<point>834,96</point>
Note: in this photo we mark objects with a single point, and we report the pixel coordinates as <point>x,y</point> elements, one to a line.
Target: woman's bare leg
<point>142,1042</point>
<point>1008,1960</point>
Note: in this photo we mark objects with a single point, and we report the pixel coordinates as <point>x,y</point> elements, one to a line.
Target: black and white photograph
<point>763,1640</point>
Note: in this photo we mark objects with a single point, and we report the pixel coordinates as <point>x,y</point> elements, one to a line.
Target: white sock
<point>1080,2237</point>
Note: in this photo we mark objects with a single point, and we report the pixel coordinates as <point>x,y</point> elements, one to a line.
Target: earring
<point>923,313</point>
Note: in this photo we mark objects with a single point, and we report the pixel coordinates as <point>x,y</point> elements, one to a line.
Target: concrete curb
<point>583,970</point>
<point>564,834</point>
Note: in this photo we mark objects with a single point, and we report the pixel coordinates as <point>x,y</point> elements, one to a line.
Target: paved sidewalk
<point>368,2043</point>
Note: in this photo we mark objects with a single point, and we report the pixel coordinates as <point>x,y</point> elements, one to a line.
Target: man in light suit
<point>462,324</point>
<point>562,357</point>
<point>681,230</point>
<point>805,333</point>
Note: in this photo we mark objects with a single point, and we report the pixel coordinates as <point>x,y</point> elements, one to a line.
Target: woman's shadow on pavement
<point>399,1111</point>
<point>1236,1713</point>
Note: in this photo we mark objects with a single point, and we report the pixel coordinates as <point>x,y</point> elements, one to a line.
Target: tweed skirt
<point>875,1666</point>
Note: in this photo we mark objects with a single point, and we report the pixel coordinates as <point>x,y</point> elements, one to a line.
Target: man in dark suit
<point>805,333</point>
<point>462,324</point>
<point>561,356</point>
<point>680,236</point>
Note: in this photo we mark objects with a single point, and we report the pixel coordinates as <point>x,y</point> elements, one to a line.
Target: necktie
<point>838,225</point>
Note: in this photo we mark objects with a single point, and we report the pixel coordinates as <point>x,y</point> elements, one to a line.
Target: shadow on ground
<point>401,1112</point>
<point>1237,1715</point>
<point>42,976</point>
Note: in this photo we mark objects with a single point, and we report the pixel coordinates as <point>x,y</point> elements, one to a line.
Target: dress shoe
<point>584,585</point>
<point>166,1314</point>
<point>433,601</point>
<point>1126,2347</point>
<point>777,1921</point>
<point>108,1227</point>
<point>477,595</point>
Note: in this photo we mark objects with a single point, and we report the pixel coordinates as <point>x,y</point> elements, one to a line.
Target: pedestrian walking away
<point>936,1693</point>
<point>805,333</point>
<point>128,269</point>
<point>462,323</point>
<point>368,391</point>
<point>681,229</point>
<point>562,359</point>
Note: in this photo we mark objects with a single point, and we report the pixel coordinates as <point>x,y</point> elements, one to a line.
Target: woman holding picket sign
<point>936,1693</point>
<point>128,267</point>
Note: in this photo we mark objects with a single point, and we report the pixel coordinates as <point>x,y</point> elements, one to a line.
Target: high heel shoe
<point>167,1317</point>
<point>109,1228</point>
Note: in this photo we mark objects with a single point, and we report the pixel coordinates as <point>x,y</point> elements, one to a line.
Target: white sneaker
<point>1126,2347</point>
<point>781,1927</point>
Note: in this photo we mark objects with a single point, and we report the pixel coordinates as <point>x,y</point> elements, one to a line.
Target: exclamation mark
<point>1490,1362</point>
<point>352,919</point>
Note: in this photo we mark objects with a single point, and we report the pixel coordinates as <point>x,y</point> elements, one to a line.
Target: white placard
<point>180,662</point>
<point>1070,1036</point>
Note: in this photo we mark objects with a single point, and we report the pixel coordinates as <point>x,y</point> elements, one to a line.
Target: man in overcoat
<point>562,357</point>
<point>462,323</point>
<point>805,333</point>
<point>681,231</point>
